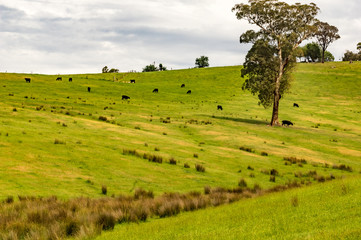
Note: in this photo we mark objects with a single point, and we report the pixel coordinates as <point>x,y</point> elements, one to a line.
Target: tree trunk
<point>323,55</point>
<point>276,102</point>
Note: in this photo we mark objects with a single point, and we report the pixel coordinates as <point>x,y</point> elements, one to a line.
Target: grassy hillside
<point>52,141</point>
<point>326,211</point>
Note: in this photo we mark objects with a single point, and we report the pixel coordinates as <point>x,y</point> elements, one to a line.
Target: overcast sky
<point>83,36</point>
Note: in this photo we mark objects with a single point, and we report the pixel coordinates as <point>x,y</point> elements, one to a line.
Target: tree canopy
<point>325,35</point>
<point>202,62</point>
<point>312,52</point>
<point>282,28</point>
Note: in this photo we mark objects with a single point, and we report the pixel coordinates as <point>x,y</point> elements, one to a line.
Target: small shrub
<point>272,178</point>
<point>72,228</point>
<point>101,118</point>
<point>156,149</point>
<point>106,221</point>
<point>207,190</point>
<point>251,175</point>
<point>342,167</point>
<point>200,168</point>
<point>264,154</point>
<point>195,155</point>
<point>247,149</point>
<point>274,172</point>
<point>250,168</point>
<point>9,199</point>
<point>104,190</point>
<point>186,165</point>
<point>14,110</point>
<point>143,194</point>
<point>57,141</point>
<point>242,183</point>
<point>172,161</point>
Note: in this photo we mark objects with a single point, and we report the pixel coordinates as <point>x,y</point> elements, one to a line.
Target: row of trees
<point>312,52</point>
<point>351,56</point>
<point>270,61</point>
<point>201,62</point>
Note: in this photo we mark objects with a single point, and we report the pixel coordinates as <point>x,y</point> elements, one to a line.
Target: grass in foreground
<point>325,211</point>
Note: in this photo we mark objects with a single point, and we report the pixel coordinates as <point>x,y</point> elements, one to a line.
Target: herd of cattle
<point>155,90</point>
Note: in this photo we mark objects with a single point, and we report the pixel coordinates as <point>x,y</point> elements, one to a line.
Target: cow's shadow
<point>243,120</point>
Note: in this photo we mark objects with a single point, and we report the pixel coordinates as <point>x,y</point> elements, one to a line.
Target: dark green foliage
<point>270,61</point>
<point>150,68</point>
<point>312,52</point>
<point>202,62</point>
<point>186,165</point>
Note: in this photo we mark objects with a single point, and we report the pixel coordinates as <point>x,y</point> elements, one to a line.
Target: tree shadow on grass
<point>243,120</point>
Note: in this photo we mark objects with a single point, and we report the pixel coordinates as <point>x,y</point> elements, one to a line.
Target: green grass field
<point>327,211</point>
<point>52,141</point>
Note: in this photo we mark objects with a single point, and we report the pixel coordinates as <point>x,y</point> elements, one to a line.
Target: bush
<point>57,141</point>
<point>106,221</point>
<point>264,154</point>
<point>186,165</point>
<point>104,190</point>
<point>72,228</point>
<point>242,183</point>
<point>272,178</point>
<point>200,168</point>
<point>101,118</point>
<point>172,161</point>
<point>143,194</point>
<point>247,149</point>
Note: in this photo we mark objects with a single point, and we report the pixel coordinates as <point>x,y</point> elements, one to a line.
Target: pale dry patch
<point>349,152</point>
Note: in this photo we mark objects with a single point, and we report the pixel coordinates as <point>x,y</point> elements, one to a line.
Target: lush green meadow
<point>327,211</point>
<point>171,124</point>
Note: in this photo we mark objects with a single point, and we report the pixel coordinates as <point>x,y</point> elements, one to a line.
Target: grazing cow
<point>155,90</point>
<point>183,85</point>
<point>295,105</point>
<point>27,80</point>
<point>189,92</point>
<point>132,80</point>
<point>219,107</point>
<point>70,79</point>
<point>88,89</point>
<point>125,97</point>
<point>59,79</point>
<point>286,122</point>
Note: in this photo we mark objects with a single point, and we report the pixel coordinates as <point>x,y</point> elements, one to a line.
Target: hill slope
<point>56,138</point>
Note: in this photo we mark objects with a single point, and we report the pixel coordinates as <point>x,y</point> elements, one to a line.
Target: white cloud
<point>66,36</point>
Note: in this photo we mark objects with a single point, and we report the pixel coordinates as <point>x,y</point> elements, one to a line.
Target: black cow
<point>132,80</point>
<point>89,89</point>
<point>27,80</point>
<point>286,122</point>
<point>155,90</point>
<point>219,107</point>
<point>295,105</point>
<point>183,85</point>
<point>70,79</point>
<point>189,92</point>
<point>125,97</point>
<point>59,79</point>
